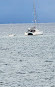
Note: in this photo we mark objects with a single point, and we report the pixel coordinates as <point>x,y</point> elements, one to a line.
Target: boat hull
<point>11,35</point>
<point>36,33</point>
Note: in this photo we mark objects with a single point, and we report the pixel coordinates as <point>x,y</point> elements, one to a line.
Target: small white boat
<point>11,35</point>
<point>33,31</point>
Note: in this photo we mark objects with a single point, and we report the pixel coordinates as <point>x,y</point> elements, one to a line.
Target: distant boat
<point>11,35</point>
<point>33,30</point>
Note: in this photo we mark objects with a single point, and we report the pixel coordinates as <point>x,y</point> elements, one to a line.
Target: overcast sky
<point>21,11</point>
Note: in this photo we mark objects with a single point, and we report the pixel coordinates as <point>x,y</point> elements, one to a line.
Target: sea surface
<point>27,61</point>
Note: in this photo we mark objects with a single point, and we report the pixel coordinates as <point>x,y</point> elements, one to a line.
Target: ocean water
<point>27,61</point>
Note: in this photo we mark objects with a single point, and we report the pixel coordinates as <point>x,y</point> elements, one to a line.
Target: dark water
<point>27,61</point>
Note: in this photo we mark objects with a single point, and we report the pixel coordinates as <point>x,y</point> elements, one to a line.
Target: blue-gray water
<point>27,61</point>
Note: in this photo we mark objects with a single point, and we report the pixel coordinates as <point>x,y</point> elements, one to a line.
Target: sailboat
<point>11,34</point>
<point>33,30</point>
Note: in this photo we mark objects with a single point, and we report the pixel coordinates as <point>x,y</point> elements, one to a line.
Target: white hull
<point>34,33</point>
<point>11,35</point>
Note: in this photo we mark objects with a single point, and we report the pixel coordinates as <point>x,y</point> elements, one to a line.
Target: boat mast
<point>34,11</point>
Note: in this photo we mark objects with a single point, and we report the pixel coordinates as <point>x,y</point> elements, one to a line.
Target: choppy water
<point>27,61</point>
